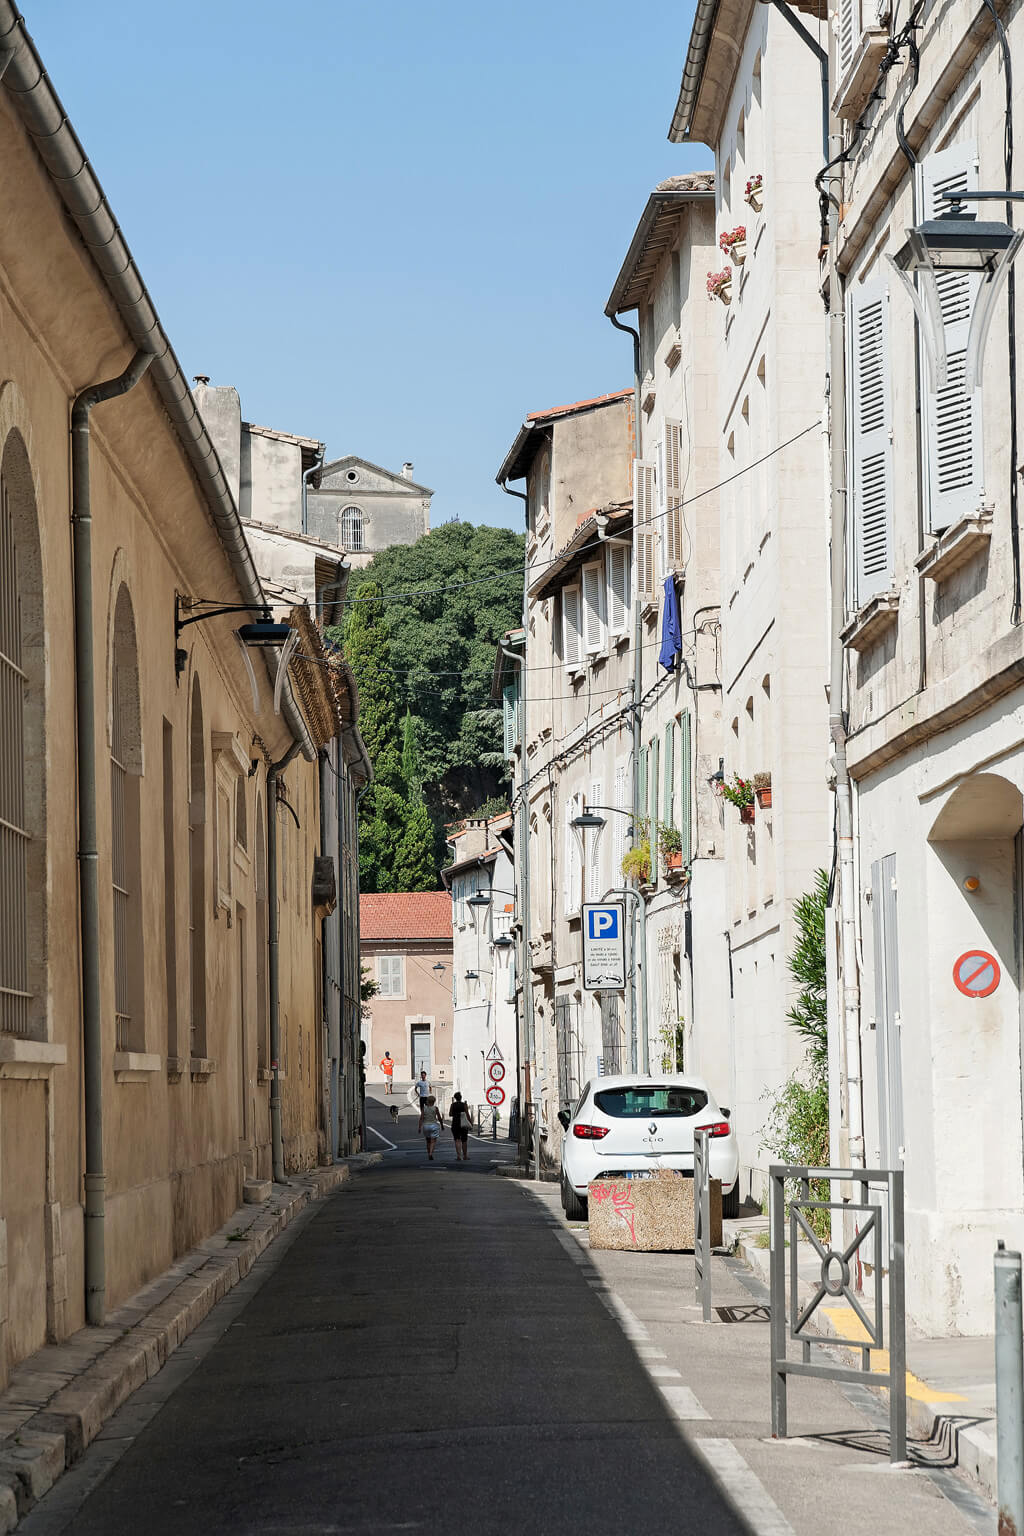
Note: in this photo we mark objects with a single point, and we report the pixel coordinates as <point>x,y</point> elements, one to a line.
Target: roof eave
<point>656,204</point>
<point>693,70</point>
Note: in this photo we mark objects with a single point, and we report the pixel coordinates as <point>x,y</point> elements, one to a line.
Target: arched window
<point>352,528</point>
<point>125,832</point>
<point>22,793</point>
<point>197,869</point>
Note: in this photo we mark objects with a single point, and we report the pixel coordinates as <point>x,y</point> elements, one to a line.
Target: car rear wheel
<point>574,1208</point>
<point>731,1203</point>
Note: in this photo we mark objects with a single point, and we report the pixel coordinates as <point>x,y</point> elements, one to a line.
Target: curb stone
<point>59,1399</point>
<point>971,1445</point>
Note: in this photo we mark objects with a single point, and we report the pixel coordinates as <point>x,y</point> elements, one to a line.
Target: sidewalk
<point>951,1390</point>
<point>60,1398</point>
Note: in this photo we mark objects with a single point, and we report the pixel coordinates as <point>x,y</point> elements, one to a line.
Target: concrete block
<point>255,1191</point>
<point>37,1460</point>
<point>8,1508</point>
<point>648,1215</point>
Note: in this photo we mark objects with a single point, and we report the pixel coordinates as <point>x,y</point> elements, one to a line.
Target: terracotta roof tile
<point>406,915</point>
<point>579,405</point>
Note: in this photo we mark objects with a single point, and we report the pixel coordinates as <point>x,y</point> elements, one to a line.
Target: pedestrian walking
<point>387,1066</point>
<point>461,1120</point>
<point>420,1088</point>
<point>431,1121</point>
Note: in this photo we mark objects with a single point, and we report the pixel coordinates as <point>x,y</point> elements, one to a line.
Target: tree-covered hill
<point>420,633</point>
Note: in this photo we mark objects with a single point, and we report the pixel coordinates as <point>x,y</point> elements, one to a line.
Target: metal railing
<point>14,839</point>
<point>702,1221</point>
<point>834,1284</point>
<point>1009,1393</point>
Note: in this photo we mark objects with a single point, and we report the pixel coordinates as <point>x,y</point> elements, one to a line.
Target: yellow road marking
<point>849,1326</point>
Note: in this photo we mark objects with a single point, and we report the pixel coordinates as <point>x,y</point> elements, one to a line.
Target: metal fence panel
<point>834,1284</point>
<point>702,1221</point>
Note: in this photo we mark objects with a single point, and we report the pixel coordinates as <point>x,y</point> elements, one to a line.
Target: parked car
<point>636,1123</point>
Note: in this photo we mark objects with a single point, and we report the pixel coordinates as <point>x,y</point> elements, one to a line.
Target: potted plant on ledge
<point>670,843</point>
<point>763,790</point>
<point>734,243</point>
<point>753,191</point>
<point>720,285</point>
<point>740,793</point>
<point>636,863</point>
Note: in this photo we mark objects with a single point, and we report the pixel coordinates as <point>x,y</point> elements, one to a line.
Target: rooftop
<point>656,234</point>
<point>402,915</point>
<point>517,460</point>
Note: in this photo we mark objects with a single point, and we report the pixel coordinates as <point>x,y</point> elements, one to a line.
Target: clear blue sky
<point>390,225</point>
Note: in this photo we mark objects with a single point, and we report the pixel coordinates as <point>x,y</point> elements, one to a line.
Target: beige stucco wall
<point>176,1145</point>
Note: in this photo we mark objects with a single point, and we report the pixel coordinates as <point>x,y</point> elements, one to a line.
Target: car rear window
<point>650,1099</point>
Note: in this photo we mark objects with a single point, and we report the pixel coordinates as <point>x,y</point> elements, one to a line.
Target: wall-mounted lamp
<point>957,242</point>
<point>503,941</point>
<point>263,632</point>
<point>971,884</point>
<point>718,777</point>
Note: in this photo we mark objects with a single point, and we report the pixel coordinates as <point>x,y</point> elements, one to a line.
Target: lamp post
<point>590,820</point>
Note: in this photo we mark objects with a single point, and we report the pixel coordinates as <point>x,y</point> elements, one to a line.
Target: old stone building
<point>363,508</point>
<point>160,996</point>
<point>406,948</point>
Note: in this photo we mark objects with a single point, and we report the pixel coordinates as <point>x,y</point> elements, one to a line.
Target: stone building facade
<point>406,948</point>
<point>144,766</point>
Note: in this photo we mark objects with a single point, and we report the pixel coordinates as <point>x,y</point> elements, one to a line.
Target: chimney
<point>407,471</point>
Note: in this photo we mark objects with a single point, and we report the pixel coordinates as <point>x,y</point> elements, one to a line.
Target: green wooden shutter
<point>669,780</point>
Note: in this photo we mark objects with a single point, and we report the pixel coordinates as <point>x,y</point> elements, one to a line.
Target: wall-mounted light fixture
<point>957,242</point>
<point>264,632</point>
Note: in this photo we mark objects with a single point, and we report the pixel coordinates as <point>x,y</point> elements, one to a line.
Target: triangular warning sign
<point>494,1054</point>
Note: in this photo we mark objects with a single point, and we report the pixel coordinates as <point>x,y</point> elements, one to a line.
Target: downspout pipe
<point>45,120</point>
<point>88,850</point>
<point>274,962</point>
<point>357,1037</point>
<point>640,910</point>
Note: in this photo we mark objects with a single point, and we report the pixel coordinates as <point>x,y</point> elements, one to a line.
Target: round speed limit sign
<point>495,1095</point>
<point>496,1071</point>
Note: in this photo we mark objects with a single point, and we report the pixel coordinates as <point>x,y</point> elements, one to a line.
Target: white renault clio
<point>638,1123</point>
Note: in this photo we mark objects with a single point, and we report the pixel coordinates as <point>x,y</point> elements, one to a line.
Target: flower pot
<point>755,200</point>
<point>747,815</point>
<point>725,293</point>
<point>674,860</point>
<point>738,253</point>
<point>764,798</point>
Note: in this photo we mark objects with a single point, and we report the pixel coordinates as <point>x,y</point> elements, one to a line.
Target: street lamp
<point>957,241</point>
<point>589,819</point>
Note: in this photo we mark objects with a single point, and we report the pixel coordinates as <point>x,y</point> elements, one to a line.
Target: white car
<point>640,1122</point>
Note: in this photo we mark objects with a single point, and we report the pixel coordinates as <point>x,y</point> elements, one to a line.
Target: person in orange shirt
<point>387,1066</point>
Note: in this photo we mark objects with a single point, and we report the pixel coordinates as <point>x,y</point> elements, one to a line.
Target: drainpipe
<point>526,973</point>
<point>307,476</point>
<point>357,1038</point>
<point>640,911</point>
<point>88,853</point>
<point>273,962</point>
<point>850,1047</point>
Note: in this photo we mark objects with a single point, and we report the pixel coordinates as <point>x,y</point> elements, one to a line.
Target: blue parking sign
<point>604,950</point>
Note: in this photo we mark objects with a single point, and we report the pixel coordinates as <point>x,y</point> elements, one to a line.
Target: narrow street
<point>433,1346</point>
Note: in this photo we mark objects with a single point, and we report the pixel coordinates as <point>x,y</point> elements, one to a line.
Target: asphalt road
<point>431,1348</point>
<point>424,1356</point>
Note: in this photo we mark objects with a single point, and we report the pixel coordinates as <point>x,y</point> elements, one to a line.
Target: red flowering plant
<point>718,282</point>
<point>732,237</point>
<point>739,793</point>
<point>754,185</point>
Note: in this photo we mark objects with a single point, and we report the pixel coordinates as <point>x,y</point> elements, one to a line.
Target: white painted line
<point>663,1372</point>
<point>651,1352</point>
<point>682,1402</point>
<point>744,1488</point>
<point>384,1139</point>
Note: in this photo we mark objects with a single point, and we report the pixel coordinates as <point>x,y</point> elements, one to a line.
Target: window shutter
<point>685,789</point>
<point>593,607</point>
<point>667,777</point>
<point>953,417</point>
<point>595,884</point>
<point>644,533</point>
<point>672,495</point>
<point>849,33</point>
<point>620,822</point>
<point>618,588</point>
<point>654,762</point>
<point>641,791</point>
<point>871,441</point>
<point>508,700</point>
<point>572,646</point>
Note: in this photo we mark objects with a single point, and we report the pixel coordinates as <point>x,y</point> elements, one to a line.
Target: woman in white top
<point>431,1121</point>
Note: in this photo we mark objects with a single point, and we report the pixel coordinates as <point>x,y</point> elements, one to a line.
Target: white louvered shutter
<point>849,30</point>
<point>953,456</point>
<point>595,882</point>
<point>572,639</point>
<point>617,556</point>
<point>672,495</point>
<point>620,822</point>
<point>644,534</point>
<point>871,440</point>
<point>593,606</point>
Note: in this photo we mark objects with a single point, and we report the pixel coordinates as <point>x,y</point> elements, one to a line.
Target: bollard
<point>1009,1392</point>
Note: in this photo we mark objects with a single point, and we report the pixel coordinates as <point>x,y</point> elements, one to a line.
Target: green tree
<point>368,651</point>
<point>809,1014</point>
<point>412,772</point>
<point>415,866</point>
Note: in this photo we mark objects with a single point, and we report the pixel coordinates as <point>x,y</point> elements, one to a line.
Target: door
<point>888,1049</point>
<point>420,1052</point>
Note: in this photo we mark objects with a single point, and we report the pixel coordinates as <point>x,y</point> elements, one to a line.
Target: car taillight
<point>590,1132</point>
<point>719,1128</point>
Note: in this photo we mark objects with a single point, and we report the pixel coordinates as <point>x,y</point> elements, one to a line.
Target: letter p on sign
<point>604,922</point>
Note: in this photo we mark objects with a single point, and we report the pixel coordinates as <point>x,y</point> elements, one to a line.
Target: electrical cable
<point>597,543</point>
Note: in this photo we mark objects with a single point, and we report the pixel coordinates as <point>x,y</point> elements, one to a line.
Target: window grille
<point>119,863</point>
<point>14,837</point>
<point>352,528</point>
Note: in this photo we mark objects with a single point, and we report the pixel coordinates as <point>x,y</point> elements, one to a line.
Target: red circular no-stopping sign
<point>976,973</point>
